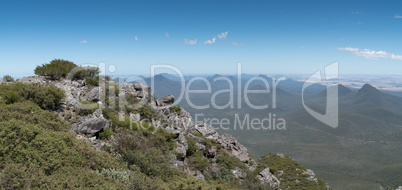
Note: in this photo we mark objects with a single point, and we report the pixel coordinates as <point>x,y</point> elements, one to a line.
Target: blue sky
<point>266,36</point>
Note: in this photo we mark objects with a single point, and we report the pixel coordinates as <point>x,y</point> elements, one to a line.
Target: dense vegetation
<point>38,152</point>
<point>46,97</point>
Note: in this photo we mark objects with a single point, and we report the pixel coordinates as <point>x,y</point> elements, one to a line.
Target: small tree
<point>8,78</point>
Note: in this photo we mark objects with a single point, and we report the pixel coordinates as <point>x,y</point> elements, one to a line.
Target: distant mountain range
<point>364,151</point>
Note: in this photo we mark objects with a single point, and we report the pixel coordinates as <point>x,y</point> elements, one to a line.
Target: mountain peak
<point>367,88</point>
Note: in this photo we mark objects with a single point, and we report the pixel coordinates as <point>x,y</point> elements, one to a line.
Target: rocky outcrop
<point>266,177</point>
<point>165,100</point>
<point>181,147</point>
<point>231,146</point>
<point>207,131</point>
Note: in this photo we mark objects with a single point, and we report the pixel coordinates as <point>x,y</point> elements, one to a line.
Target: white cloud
<point>83,42</point>
<point>136,38</point>
<point>212,41</point>
<point>237,44</point>
<point>190,42</point>
<point>356,13</point>
<point>167,34</point>
<point>370,54</point>
<point>349,49</point>
<point>397,16</point>
<point>223,35</point>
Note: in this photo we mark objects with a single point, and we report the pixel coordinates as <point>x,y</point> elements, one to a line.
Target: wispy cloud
<point>136,38</point>
<point>397,16</point>
<point>370,54</point>
<point>167,35</point>
<point>223,35</point>
<point>83,42</point>
<point>212,41</point>
<point>190,42</point>
<point>356,13</point>
<point>237,44</point>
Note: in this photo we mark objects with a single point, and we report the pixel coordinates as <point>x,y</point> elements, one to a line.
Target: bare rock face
<point>181,122</point>
<point>207,131</point>
<point>266,177</point>
<point>231,146</point>
<point>165,100</point>
<point>94,94</point>
<point>91,125</point>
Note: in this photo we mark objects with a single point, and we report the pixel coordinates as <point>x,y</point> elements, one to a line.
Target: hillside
<point>50,140</point>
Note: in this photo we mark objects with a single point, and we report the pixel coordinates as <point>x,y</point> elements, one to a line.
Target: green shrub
<point>198,161</point>
<point>192,146</point>
<point>91,71</point>
<point>10,96</point>
<point>59,68</point>
<point>106,134</point>
<point>147,112</point>
<point>175,108</point>
<point>8,78</point>
<point>92,81</point>
<point>56,69</point>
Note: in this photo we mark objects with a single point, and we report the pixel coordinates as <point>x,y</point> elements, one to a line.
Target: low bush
<point>87,108</point>
<point>198,161</point>
<point>175,108</point>
<point>192,146</point>
<point>92,81</point>
<point>106,134</point>
<point>147,112</point>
